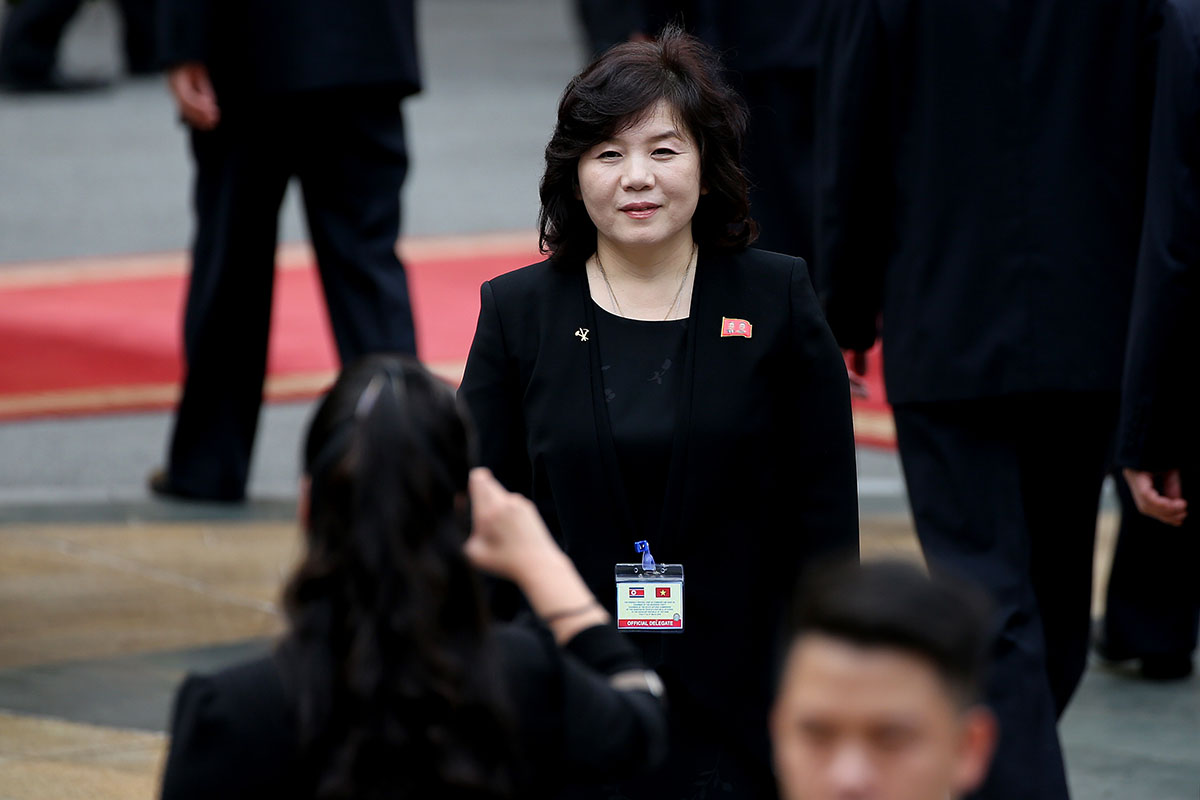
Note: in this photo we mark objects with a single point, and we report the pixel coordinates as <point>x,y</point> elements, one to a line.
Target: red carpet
<point>103,335</point>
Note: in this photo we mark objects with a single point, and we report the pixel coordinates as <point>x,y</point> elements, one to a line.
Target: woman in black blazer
<point>656,380</point>
<point>389,681</point>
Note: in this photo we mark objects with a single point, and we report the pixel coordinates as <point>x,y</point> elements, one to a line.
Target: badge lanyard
<point>649,595</point>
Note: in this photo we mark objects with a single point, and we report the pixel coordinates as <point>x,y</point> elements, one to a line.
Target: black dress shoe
<point>1167,667</point>
<point>160,485</point>
<point>53,83</point>
<point>1150,667</point>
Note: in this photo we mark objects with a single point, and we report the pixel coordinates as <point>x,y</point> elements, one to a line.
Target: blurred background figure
<point>880,696</point>
<point>609,22</point>
<point>981,169</point>
<point>389,681</point>
<point>771,49</point>
<point>1153,605</point>
<point>272,90</point>
<point>33,30</point>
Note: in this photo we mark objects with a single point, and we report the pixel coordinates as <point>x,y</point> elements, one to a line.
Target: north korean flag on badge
<point>639,592</point>
<point>662,591</point>
<point>732,326</point>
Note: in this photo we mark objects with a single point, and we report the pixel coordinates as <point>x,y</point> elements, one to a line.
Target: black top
<point>762,468</point>
<point>234,734</point>
<point>641,365</point>
<point>1159,429</point>
<point>980,175</point>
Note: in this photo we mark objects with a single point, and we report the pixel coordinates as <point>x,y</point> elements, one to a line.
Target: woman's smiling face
<point>641,186</point>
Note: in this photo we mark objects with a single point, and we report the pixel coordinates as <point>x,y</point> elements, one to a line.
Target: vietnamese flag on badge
<point>662,591</point>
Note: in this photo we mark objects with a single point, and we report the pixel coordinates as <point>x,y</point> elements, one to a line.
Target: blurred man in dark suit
<point>771,50</point>
<point>272,89</point>
<point>1153,608</point>
<point>981,168</point>
<point>1151,611</point>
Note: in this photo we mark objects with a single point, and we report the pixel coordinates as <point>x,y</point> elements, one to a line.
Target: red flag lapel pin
<point>731,326</point>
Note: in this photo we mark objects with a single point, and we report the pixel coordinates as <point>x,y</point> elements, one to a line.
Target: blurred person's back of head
<point>398,691</point>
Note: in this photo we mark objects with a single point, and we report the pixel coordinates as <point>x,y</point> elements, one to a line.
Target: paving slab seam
<point>71,753</point>
<point>129,566</point>
<point>26,716</point>
<point>265,508</point>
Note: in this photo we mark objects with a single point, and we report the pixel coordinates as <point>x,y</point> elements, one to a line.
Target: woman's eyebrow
<point>622,140</point>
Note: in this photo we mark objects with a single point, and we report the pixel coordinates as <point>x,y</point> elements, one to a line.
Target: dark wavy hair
<point>614,92</point>
<point>398,693</point>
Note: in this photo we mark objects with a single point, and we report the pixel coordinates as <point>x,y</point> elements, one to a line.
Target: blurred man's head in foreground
<point>879,695</point>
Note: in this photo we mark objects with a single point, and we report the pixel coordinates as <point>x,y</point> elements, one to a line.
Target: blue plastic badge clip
<point>643,547</point>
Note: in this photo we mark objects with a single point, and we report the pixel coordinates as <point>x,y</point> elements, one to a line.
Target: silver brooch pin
<point>582,333</point>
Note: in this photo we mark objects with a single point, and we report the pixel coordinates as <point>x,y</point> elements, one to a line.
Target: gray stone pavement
<point>108,174</point>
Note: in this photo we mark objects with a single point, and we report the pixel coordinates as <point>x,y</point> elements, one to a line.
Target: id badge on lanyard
<point>649,595</point>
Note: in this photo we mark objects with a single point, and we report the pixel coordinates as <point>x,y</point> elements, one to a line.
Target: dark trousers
<point>347,149</point>
<point>34,28</point>
<point>1153,598</point>
<point>779,157</point>
<point>1004,492</point>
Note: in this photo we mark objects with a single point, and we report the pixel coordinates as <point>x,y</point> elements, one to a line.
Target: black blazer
<point>234,734</point>
<point>762,479</point>
<point>257,47</point>
<point>980,174</point>
<point>1159,430</point>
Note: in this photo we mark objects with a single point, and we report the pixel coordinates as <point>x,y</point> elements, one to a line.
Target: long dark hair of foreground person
<point>614,92</point>
<point>398,692</point>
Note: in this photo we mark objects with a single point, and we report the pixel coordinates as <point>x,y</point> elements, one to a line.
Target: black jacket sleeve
<point>491,390</point>
<point>184,29</point>
<point>825,478</point>
<point>1162,337</point>
<point>573,721</point>
<point>609,731</point>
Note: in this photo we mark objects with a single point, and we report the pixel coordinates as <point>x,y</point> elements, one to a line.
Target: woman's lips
<point>640,210</point>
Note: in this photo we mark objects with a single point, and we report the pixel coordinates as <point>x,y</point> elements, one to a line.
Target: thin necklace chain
<point>678,292</point>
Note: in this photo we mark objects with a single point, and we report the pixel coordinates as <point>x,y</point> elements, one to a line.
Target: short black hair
<point>894,604</point>
<point>616,91</point>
